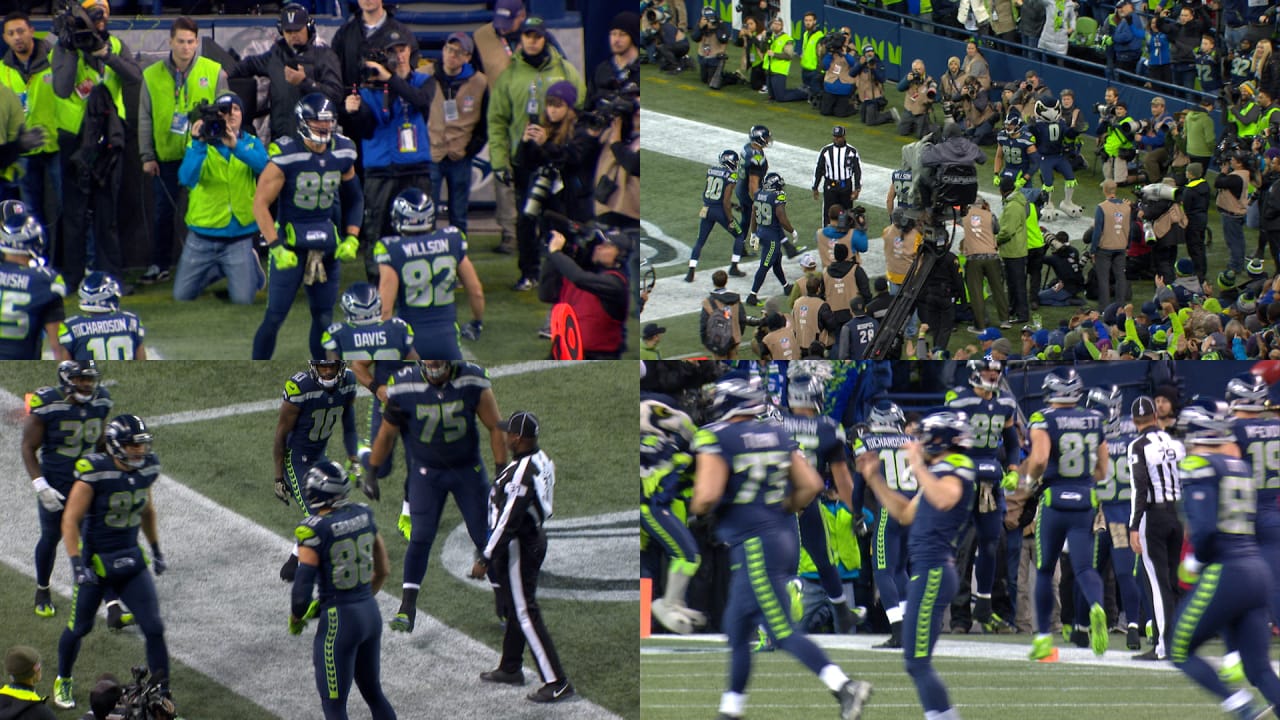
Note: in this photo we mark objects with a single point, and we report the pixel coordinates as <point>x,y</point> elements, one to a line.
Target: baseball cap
<point>809,260</point>
<point>857,304</point>
<point>991,334</point>
<point>21,661</point>
<point>1129,347</point>
<point>522,423</point>
<point>838,131</point>
<point>505,13</point>
<point>534,24</point>
<point>294,17</point>
<point>653,330</point>
<point>464,41</point>
<point>1143,407</point>
<point>394,39</point>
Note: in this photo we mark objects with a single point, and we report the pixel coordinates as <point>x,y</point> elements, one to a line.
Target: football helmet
<point>738,397</point>
<point>413,212</point>
<point>944,430</point>
<point>1013,123</point>
<point>20,232</point>
<point>326,485</point>
<point>327,381</point>
<point>772,182</point>
<point>729,160</point>
<point>316,117</point>
<point>660,416</point>
<point>1106,400</point>
<point>123,434</point>
<point>985,365</point>
<point>438,372</point>
<point>79,379</point>
<point>1049,110</point>
<point>1062,386</point>
<point>1205,421</point>
<point>361,304</point>
<point>805,391</point>
<point>761,136</point>
<point>886,416</point>
<point>1247,393</point>
<point>99,293</point>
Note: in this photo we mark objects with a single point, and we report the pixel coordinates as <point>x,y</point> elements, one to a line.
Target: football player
<point>1069,457</point>
<point>434,405</point>
<point>938,514</point>
<point>363,336</point>
<point>1259,440</point>
<point>717,209</point>
<point>111,500</point>
<point>769,223</point>
<point>995,452</point>
<point>1016,153</point>
<point>30,292</point>
<point>752,176</point>
<point>105,332</point>
<point>314,402</point>
<point>753,475</point>
<point>1052,134</point>
<point>341,556</point>
<point>307,174</point>
<point>419,270</point>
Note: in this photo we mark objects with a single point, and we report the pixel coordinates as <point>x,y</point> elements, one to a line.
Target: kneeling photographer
<point>590,279</point>
<point>713,38</point>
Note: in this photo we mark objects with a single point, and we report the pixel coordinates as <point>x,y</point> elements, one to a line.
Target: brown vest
<point>914,101</point>
<point>838,71</point>
<point>492,50</point>
<point>804,318</point>
<point>1227,200</point>
<point>899,253</point>
<point>711,45</point>
<point>979,233</point>
<point>840,290</point>
<point>827,247</point>
<point>626,199</point>
<point>734,310</point>
<point>450,138</point>
<point>1115,232</point>
<point>782,345</point>
<point>1174,215</point>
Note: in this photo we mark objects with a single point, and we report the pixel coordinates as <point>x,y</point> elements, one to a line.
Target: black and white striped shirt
<point>838,164</point>
<point>1153,470</point>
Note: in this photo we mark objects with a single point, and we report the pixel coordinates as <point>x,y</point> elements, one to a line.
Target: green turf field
<point>670,207</point>
<point>213,423</point>
<point>987,678</point>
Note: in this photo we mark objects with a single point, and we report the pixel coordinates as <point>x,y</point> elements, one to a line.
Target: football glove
<point>405,525</point>
<point>735,228</point>
<point>1010,480</point>
<point>297,625</point>
<point>50,499</point>
<point>283,258</point>
<point>479,569</point>
<point>795,235</point>
<point>753,243</point>
<point>1020,181</point>
<point>82,574</point>
<point>347,249</point>
<point>471,331</point>
<point>370,486</point>
<point>995,179</point>
<point>1189,570</point>
<point>158,565</point>
<point>282,490</point>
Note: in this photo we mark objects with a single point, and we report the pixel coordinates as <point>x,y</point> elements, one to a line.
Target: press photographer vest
<point>495,54</point>
<point>225,189</point>
<point>866,86</point>
<point>451,139</point>
<point>804,318</point>
<point>777,64</point>
<point>899,253</point>
<point>1227,200</point>
<point>979,233</point>
<point>782,344</point>
<point>842,544</point>
<point>625,200</point>
<point>39,103</point>
<point>840,290</point>
<point>1117,218</point>
<point>201,83</point>
<point>827,247</point>
<point>711,45</point>
<point>838,71</point>
<point>70,111</point>
<point>809,49</point>
<point>914,100</point>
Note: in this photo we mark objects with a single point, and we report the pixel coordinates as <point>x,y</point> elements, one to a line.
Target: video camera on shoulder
<point>835,42</point>
<point>854,217</point>
<point>214,118</point>
<point>383,57</point>
<point>143,700</point>
<point>75,27</point>
<point>622,103</point>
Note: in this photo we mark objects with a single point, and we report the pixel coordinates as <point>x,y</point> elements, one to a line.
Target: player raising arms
<point>307,174</point>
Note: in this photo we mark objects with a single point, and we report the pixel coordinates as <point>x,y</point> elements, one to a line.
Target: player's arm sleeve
<point>304,581</point>
<point>352,197</point>
<point>1009,439</point>
<point>1200,503</point>
<point>350,438</point>
<point>1140,480</point>
<point>54,312</point>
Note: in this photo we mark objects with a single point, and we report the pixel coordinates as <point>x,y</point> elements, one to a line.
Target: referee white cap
<point>522,423</point>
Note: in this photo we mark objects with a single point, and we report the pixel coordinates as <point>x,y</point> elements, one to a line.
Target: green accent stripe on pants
<point>881,562</point>
<point>924,620</point>
<point>1190,618</point>
<point>664,537</point>
<point>774,616</point>
<point>330,666</point>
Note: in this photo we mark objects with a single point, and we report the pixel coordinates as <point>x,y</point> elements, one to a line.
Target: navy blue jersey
<point>1220,504</point>
<point>310,190</point>
<point>108,336</point>
<point>666,472</point>
<point>438,422</point>
<point>1051,137</point>
<point>901,182</point>
<point>987,419</point>
<point>764,207</point>
<point>71,430</point>
<point>821,440</point>
<point>343,539</point>
<point>893,459</point>
<point>756,164</point>
<point>1118,487</point>
<point>1074,437</point>
<point>758,453</point>
<point>934,532</point>
<point>30,298</point>
<point>119,496</point>
<point>719,179</point>
<point>1208,71</point>
<point>427,265</point>
<point>319,410</point>
<point>1240,66</point>
<point>1017,150</point>
<point>379,340</point>
<point>1259,441</point>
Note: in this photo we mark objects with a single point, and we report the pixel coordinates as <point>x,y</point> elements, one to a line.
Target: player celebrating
<point>419,270</point>
<point>995,453</point>
<point>434,405</point>
<point>111,499</point>
<point>307,174</point>
<point>30,292</point>
<point>938,514</point>
<point>768,223</point>
<point>313,403</point>
<point>340,550</point>
<point>1052,135</point>
<point>1063,439</point>
<point>1258,439</point>
<point>1233,585</point>
<point>717,209</point>
<point>1016,153</point>
<point>753,475</point>
<point>106,332</point>
<point>756,167</point>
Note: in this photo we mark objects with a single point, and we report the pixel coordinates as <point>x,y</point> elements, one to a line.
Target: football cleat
<point>1254,712</point>
<point>853,696</point>
<point>552,692</point>
<point>502,676</point>
<point>1079,637</point>
<point>405,525</point>
<point>1132,640</point>
<point>1232,670</point>
<point>1070,209</point>
<point>117,618</point>
<point>895,638</point>
<point>795,593</point>
<point>997,625</point>
<point>1041,647</point>
<point>44,603</point>
<point>63,694</point>
<point>1150,655</point>
<point>764,643</point>
<point>1098,636</point>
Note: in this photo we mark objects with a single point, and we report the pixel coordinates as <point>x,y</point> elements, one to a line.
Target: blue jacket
<point>858,240</point>
<point>382,121</point>
<point>1127,38</point>
<point>837,87</point>
<point>1158,49</point>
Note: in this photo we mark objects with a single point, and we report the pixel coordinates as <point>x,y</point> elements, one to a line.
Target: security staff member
<point>839,172</point>
<point>1155,532</point>
<point>520,501</point>
<point>810,40</point>
<point>25,69</point>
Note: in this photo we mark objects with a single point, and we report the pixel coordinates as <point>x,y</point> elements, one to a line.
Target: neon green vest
<point>11,118</point>
<point>21,694</point>
<point>809,55</point>
<point>1035,238</point>
<point>38,102</point>
<point>1264,119</point>
<point>1115,140</point>
<point>1243,129</point>
<point>777,64</point>
<point>70,110</point>
<point>226,188</point>
<point>201,83</point>
<point>842,545</point>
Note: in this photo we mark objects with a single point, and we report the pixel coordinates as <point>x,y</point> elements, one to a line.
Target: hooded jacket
<point>509,100</point>
<point>22,703</point>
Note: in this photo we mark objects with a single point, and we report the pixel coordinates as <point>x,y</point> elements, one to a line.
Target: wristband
<point>155,549</point>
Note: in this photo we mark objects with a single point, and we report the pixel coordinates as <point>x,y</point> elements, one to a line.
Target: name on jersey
<point>100,327</point>
<point>370,339</point>
<point>10,280</point>
<point>880,442</point>
<point>434,246</point>
<point>1079,423</point>
<point>1258,432</point>
<point>758,441</point>
<point>346,527</point>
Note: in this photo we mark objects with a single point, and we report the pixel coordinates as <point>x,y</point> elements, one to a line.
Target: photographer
<point>1158,206</point>
<point>170,89</point>
<point>1028,93</point>
<point>669,42</point>
<point>920,91</point>
<point>778,63</point>
<point>363,34</point>
<point>982,262</point>
<point>868,80</point>
<point>220,172</point>
<point>1112,222</point>
<point>1195,203</point>
<point>975,65</point>
<point>976,113</point>
<point>90,69</point>
<point>1232,185</point>
<point>1068,271</point>
<point>389,115</point>
<point>848,228</point>
<point>1155,142</point>
<point>942,288</point>
<point>1118,144</point>
<point>839,82</point>
<point>754,40</point>
<point>596,291</point>
<point>713,38</point>
<point>950,84</point>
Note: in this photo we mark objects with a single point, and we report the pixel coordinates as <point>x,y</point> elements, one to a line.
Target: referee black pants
<point>833,194</point>
<point>514,571</point>
<point>1161,533</point>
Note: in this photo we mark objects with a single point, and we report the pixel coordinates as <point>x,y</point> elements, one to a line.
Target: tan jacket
<point>979,232</point>
<point>493,51</point>
<point>626,199</point>
<point>1227,200</point>
<point>827,247</point>
<point>840,290</point>
<point>782,345</point>
<point>450,138</point>
<point>899,253</point>
<point>1115,231</point>
<point>804,318</point>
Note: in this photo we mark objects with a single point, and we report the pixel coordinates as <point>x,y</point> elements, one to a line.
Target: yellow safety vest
<point>842,545</point>
<point>226,188</point>
<point>168,100</point>
<point>777,64</point>
<point>39,103</point>
<point>71,110</point>
<point>809,54</point>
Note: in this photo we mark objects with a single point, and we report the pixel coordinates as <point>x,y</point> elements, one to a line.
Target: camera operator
<point>778,63</point>
<point>669,42</point>
<point>1118,144</point>
<point>1068,271</point>
<point>868,81</point>
<point>595,288</point>
<point>901,243</point>
<point>842,281</point>
<point>1155,142</point>
<point>754,40</point>
<point>220,171</point>
<point>1111,225</point>
<point>87,58</point>
<point>838,81</point>
<point>982,262</point>
<point>1159,207</point>
<point>1195,203</point>
<point>920,91</point>
<point>362,36</point>
<point>942,288</point>
<point>623,64</point>
<point>389,115</point>
<point>294,66</point>
<point>848,228</point>
<point>1242,113</point>
<point>838,172</point>
<point>1233,201</point>
<point>713,38</point>
<point>975,112</point>
<point>1028,93</point>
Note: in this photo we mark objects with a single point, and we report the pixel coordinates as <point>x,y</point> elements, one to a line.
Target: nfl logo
<point>204,82</point>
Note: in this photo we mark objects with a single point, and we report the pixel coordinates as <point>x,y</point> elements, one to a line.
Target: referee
<point>1155,532</point>
<point>839,173</point>
<point>519,503</point>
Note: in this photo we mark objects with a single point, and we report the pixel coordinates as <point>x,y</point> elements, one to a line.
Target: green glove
<point>297,625</point>
<point>283,258</point>
<point>405,524</point>
<point>347,249</point>
<point>1020,181</point>
<point>995,179</point>
<point>1187,574</point>
<point>1010,480</point>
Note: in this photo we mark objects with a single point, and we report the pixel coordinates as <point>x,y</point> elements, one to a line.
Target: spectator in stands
<point>1159,52</point>
<point>762,11</point>
<point>496,44</point>
<point>390,116</point>
<point>363,33</point>
<point>1266,66</point>
<point>1184,34</point>
<point>840,80</point>
<point>1209,65</point>
<point>84,123</point>
<point>1127,36</point>
<point>1030,24</point>
<point>1269,210</point>
<point>755,43</point>
<point>27,72</point>
<point>457,125</point>
<point>721,300</point>
<point>294,66</point>
<point>1154,142</point>
<point>221,177</point>
<point>975,65</point>
<point>919,91</point>
<point>868,81</point>
<point>1111,224</point>
<point>598,295</point>
<point>670,44</point>
<point>1011,241</point>
<point>170,89</point>
<point>623,64</point>
<point>1060,22</point>
<point>782,50</point>
<point>982,262</point>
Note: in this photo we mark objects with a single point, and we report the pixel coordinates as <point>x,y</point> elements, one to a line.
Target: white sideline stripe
<point>225,610</point>
<point>686,139</point>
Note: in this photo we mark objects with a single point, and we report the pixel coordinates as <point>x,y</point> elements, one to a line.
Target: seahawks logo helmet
<point>124,432</point>
<point>1062,386</point>
<point>738,397</point>
<point>316,117</point>
<point>1106,400</point>
<point>805,391</point>
<point>325,381</point>
<point>413,212</point>
<point>437,372</point>
<point>709,14</point>
<point>729,160</point>
<point>20,232</point>
<point>760,135</point>
<point>1247,393</point>
<point>99,293</point>
<point>1205,421</point>
<point>326,485</point>
<point>69,371</point>
<point>944,430</point>
<point>1013,122</point>
<point>773,183</point>
<point>361,304</point>
<point>886,416</point>
<point>985,365</point>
